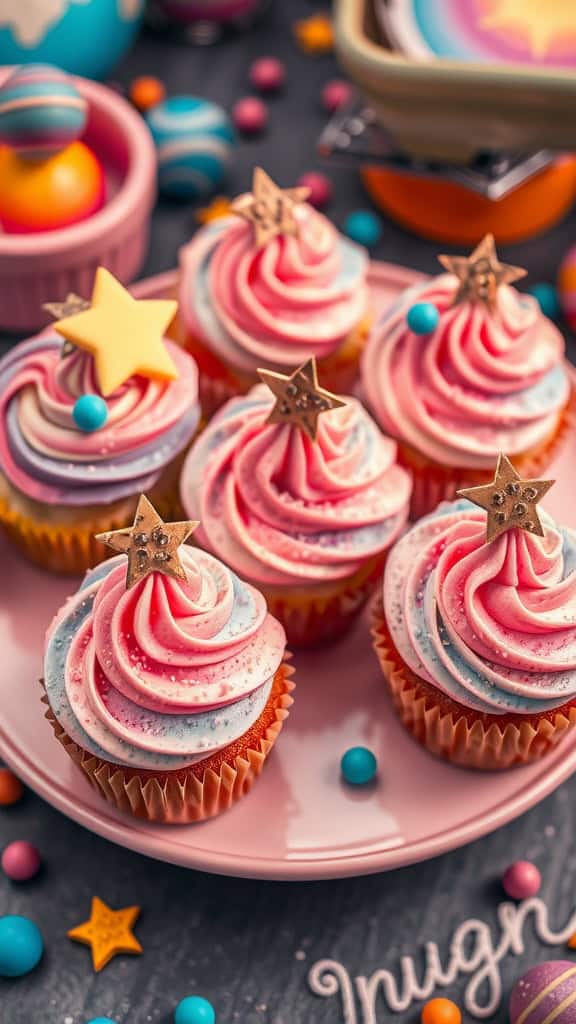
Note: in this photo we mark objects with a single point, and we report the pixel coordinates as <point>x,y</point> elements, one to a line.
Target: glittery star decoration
<point>315,34</point>
<point>220,207</point>
<point>300,400</point>
<point>510,501</point>
<point>60,310</point>
<point>123,334</point>
<point>269,208</point>
<point>107,932</point>
<point>481,274</point>
<point>151,544</point>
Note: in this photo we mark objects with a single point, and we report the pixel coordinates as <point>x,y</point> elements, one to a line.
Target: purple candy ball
<point>547,986</point>
<point>521,880</point>
<point>20,861</point>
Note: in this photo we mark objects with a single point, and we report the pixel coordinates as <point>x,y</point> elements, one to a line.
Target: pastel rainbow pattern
<point>194,140</point>
<point>41,111</point>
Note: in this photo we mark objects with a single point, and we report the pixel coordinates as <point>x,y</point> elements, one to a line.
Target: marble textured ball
<point>521,880</point>
<point>194,1010</point>
<point>546,992</point>
<point>41,111</point>
<point>250,115</point>
<point>267,74</point>
<point>21,946</point>
<point>20,861</point>
<point>194,141</point>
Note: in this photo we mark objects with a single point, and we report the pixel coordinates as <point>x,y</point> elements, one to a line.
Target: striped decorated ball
<point>567,287</point>
<point>194,140</point>
<point>544,994</point>
<point>41,110</point>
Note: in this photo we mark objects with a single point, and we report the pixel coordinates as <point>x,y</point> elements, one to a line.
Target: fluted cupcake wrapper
<point>196,793</point>
<point>458,734</point>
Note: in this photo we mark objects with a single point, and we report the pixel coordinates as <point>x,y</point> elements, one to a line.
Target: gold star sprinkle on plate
<point>220,207</point>
<point>315,34</point>
<point>107,932</point>
<point>151,544</point>
<point>481,274</point>
<point>269,208</point>
<point>123,334</point>
<point>300,400</point>
<point>510,501</point>
<point>72,304</point>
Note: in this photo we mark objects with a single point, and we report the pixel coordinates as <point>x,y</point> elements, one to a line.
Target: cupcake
<point>165,676</point>
<point>272,285</point>
<point>476,634</point>
<point>87,425</point>
<point>301,494</point>
<point>463,367</point>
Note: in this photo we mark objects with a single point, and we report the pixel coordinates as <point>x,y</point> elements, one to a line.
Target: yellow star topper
<point>510,501</point>
<point>300,400</point>
<point>151,544</point>
<point>268,208</point>
<point>107,932</point>
<point>481,274</point>
<point>123,334</point>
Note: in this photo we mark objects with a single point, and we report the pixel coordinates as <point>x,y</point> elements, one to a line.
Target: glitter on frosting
<point>282,509</point>
<point>167,673</point>
<point>478,385</point>
<point>492,625</point>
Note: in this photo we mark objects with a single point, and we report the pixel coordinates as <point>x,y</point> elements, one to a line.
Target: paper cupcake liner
<point>192,794</point>
<point>459,734</point>
<point>433,482</point>
<point>321,614</point>
<point>219,382</point>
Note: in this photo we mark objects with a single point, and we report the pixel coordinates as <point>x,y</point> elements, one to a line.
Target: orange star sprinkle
<point>315,34</point>
<point>107,932</point>
<point>218,208</point>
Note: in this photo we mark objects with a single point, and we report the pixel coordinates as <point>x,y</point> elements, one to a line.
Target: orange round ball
<point>441,1011</point>
<point>43,195</point>
<point>146,92</point>
<point>11,789</point>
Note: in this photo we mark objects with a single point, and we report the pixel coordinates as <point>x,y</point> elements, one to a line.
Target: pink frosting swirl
<point>282,509</point>
<point>278,305</point>
<point>479,384</point>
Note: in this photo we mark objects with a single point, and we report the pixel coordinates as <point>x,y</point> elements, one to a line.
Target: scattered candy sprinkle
<point>359,766</point>
<point>20,861</point>
<point>194,1010</point>
<point>11,789</point>
<point>320,188</point>
<point>21,946</point>
<point>315,35</point>
<point>146,92</point>
<point>441,1011</point>
<point>250,115</point>
<point>364,227</point>
<point>90,413</point>
<point>423,318</point>
<point>336,94</point>
<point>547,298</point>
<point>521,880</point>
<point>267,74</point>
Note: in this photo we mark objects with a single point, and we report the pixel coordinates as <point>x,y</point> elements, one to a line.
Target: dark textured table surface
<point>248,946</point>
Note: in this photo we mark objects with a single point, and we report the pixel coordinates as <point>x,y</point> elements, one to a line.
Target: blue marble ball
<point>90,413</point>
<point>547,298</point>
<point>364,227</point>
<point>359,766</point>
<point>101,1020</point>
<point>194,1010</point>
<point>194,141</point>
<point>423,318</point>
<point>21,946</point>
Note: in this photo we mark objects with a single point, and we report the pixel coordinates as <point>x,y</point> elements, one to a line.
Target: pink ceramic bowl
<point>44,267</point>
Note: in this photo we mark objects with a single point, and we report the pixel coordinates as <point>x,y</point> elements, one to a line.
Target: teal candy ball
<point>90,413</point>
<point>547,298</point>
<point>194,142</point>
<point>101,1020</point>
<point>359,766</point>
<point>423,318</point>
<point>364,227</point>
<point>21,946</point>
<point>194,1010</point>
<point>41,110</point>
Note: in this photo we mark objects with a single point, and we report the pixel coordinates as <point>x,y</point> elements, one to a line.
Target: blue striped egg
<point>194,140</point>
<point>41,110</point>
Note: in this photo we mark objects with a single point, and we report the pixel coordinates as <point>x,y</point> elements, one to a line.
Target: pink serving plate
<point>300,822</point>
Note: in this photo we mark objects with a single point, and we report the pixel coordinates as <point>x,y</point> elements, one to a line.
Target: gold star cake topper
<point>510,501</point>
<point>269,208</point>
<point>151,544</point>
<point>481,274</point>
<point>123,334</point>
<point>72,304</point>
<point>107,932</point>
<point>300,400</point>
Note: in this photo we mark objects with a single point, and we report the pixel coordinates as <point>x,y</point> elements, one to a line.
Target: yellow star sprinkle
<point>269,208</point>
<point>151,544</point>
<point>220,207</point>
<point>123,334</point>
<point>107,932</point>
<point>315,34</point>
<point>509,501</point>
<point>481,274</point>
<point>300,400</point>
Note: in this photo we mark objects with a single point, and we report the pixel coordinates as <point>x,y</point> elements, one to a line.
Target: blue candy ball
<point>41,110</point>
<point>90,413</point>
<point>21,946</point>
<point>359,766</point>
<point>194,1010</point>
<point>364,227</point>
<point>101,1020</point>
<point>194,141</point>
<point>547,298</point>
<point>422,318</point>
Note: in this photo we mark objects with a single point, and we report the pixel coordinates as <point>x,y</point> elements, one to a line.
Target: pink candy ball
<point>250,115</point>
<point>320,188</point>
<point>267,74</point>
<point>336,94</point>
<point>521,880</point>
<point>20,861</point>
